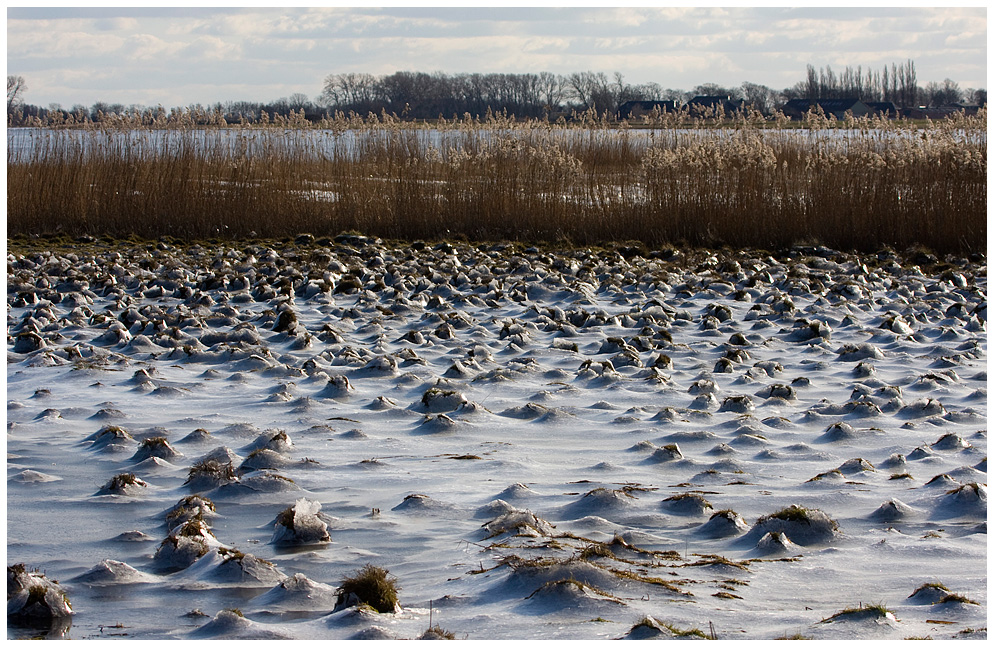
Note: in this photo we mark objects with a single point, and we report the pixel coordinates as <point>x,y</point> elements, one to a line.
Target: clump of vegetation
<point>435,632</point>
<point>861,611</point>
<point>370,585</point>
<point>956,598</point>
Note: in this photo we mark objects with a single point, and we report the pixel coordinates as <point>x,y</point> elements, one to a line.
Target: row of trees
<point>420,95</point>
<point>897,84</point>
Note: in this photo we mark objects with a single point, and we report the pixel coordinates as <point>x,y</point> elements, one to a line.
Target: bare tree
<point>759,97</point>
<point>15,89</point>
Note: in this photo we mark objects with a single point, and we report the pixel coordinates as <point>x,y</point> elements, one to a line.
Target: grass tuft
<point>372,585</point>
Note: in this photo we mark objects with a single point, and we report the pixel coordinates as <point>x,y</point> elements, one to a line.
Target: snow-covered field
<point>536,445</point>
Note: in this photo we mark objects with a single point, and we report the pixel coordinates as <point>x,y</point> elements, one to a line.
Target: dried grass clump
<point>370,585</point>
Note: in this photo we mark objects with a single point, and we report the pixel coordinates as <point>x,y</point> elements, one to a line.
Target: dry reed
<point>857,184</point>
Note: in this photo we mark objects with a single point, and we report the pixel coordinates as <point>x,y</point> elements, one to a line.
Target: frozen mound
<point>872,614</point>
<point>230,624</point>
<point>516,491</point>
<point>805,331</point>
<point>124,485</point>
<point>338,387</point>
<point>969,500</point>
<point>802,526</point>
<point>724,523</point>
<point>110,572</point>
<point>263,459</point>
<point>32,476</point>
<point>259,483</point>
<point>299,524</point>
<point>775,543</point>
<point>373,633</point>
<point>35,601</point>
<point>297,593</point>
<point>421,504</point>
<point>197,436</point>
<point>950,442</point>
<point>222,565</point>
<point>110,438</point>
<point>156,447</point>
<point>209,473</point>
<point>521,522</point>
<point>839,432</point>
<point>598,501</point>
<point>856,466</point>
<point>436,400</point>
<point>737,404</point>
<point>187,543</point>
<point>665,454</point>
<point>529,411</point>
<point>188,508</point>
<point>687,503</point>
<point>892,510</point>
<point>648,628</point>
<point>132,536</point>
<point>858,352</point>
<point>780,391</point>
<point>494,509</point>
<point>569,595</point>
<point>275,440</point>
<point>528,575</point>
<point>929,593</point>
<point>436,424</point>
<point>922,409</point>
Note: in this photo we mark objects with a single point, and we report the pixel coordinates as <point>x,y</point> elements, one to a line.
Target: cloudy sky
<point>178,56</point>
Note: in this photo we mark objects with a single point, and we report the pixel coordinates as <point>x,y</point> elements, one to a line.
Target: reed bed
<point>855,184</point>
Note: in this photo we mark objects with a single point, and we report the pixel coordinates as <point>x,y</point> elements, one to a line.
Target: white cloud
<point>192,54</point>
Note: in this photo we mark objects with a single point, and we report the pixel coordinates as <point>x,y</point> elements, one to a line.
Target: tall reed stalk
<point>858,184</point>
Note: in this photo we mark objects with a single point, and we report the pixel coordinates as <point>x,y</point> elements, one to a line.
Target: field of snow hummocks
<point>205,442</point>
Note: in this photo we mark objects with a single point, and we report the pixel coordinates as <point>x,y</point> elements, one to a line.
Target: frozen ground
<point>535,445</point>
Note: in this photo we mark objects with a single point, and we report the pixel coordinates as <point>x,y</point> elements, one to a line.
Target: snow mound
<point>775,543</point>
<point>110,572</point>
<point>222,565</point>
<point>232,625</point>
<point>598,501</point>
<point>32,476</point>
<point>568,595</point>
<point>523,522</point>
<point>968,500</point>
<point>801,525</point>
<point>892,510</point>
<point>687,503</point>
<point>297,593</point>
<point>724,523</point>
<point>299,524</point>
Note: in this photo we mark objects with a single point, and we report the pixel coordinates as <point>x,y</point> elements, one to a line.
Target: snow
<point>535,444</point>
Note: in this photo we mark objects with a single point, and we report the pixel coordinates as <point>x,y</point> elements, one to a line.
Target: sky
<point>177,56</point>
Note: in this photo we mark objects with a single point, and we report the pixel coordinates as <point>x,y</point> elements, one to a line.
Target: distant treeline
<point>420,95</point>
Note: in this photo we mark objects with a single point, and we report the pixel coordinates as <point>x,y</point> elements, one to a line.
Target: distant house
<point>636,109</point>
<point>942,112</point>
<point>704,104</point>
<point>797,108</point>
<point>883,108</point>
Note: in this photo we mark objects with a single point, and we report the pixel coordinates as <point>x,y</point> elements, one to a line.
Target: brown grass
<point>859,184</point>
